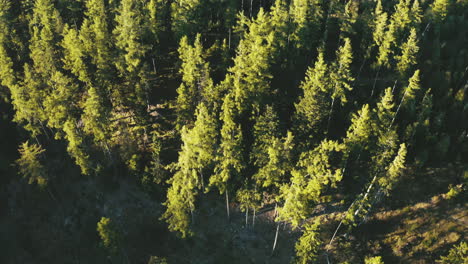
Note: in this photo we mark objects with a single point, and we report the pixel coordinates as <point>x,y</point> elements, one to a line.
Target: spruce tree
<point>196,83</point>
<point>308,245</point>
<point>29,164</point>
<point>265,129</point>
<point>312,106</point>
<point>230,159</point>
<point>409,51</point>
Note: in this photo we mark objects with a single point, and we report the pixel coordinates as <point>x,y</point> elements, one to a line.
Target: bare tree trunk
<point>251,3</point>
<point>227,204</point>
<point>276,238</point>
<point>253,218</point>
<point>246,217</point>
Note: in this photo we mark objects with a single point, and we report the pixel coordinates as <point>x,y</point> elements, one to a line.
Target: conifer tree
<point>197,155</point>
<point>409,51</point>
<point>128,34</point>
<point>7,76</point>
<point>312,106</point>
<point>279,162</point>
<point>308,245</point>
<point>110,236</point>
<point>394,171</point>
<point>95,116</point>
<point>380,24</point>
<point>196,83</point>
<point>440,9</point>
<point>130,62</point>
<point>74,55</point>
<point>186,17</point>
<point>341,77</point>
<point>230,159</point>
<point>360,130</point>
<point>97,38</point>
<point>266,128</point>
<point>308,181</point>
<point>349,18</point>
<point>29,164</point>
<point>307,16</point>
<point>45,28</point>
<point>76,147</point>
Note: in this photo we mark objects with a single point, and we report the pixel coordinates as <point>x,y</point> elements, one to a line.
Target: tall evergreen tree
<point>196,85</point>
<point>409,51</point>
<point>312,106</point>
<point>308,245</point>
<point>230,159</point>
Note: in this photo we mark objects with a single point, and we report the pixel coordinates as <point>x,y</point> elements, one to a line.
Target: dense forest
<point>233,131</point>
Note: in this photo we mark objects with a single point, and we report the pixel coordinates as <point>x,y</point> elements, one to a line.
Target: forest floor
<point>416,224</point>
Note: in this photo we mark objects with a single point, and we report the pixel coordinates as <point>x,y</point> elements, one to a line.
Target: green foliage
<point>29,164</point>
<point>110,236</point>
<point>373,260</point>
<point>308,245</point>
<point>440,9</point>
<point>279,162</point>
<point>312,105</point>
<point>409,51</point>
<point>230,159</point>
<point>197,154</point>
<point>248,199</point>
<point>341,77</point>
<point>457,255</point>
<point>266,128</point>
<point>196,83</point>
<point>395,170</point>
<point>315,172</point>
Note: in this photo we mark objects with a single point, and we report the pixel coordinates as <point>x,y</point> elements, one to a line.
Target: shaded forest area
<point>233,131</point>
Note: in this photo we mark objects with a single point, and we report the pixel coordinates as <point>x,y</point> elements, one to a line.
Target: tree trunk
<point>246,217</point>
<point>276,238</point>
<point>227,204</point>
<point>375,82</point>
<point>253,218</point>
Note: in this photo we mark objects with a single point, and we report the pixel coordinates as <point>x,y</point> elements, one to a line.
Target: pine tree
<point>360,130</point>
<point>128,33</point>
<point>349,18</point>
<point>131,50</point>
<point>314,173</point>
<point>230,159</point>
<point>60,103</point>
<point>29,164</point>
<point>110,236</point>
<point>394,172</point>
<point>265,129</point>
<point>186,17</point>
<point>411,92</point>
<point>75,146</point>
<point>312,106</point>
<point>307,16</point>
<point>197,155</point>
<point>308,245</point>
<point>380,25</point>
<point>45,29</point>
<point>440,9</point>
<point>97,38</point>
<point>74,55</point>
<point>196,83</point>
<point>409,51</point>
<point>95,116</point>
<point>341,77</point>
<point>279,162</point>
<point>7,76</point>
